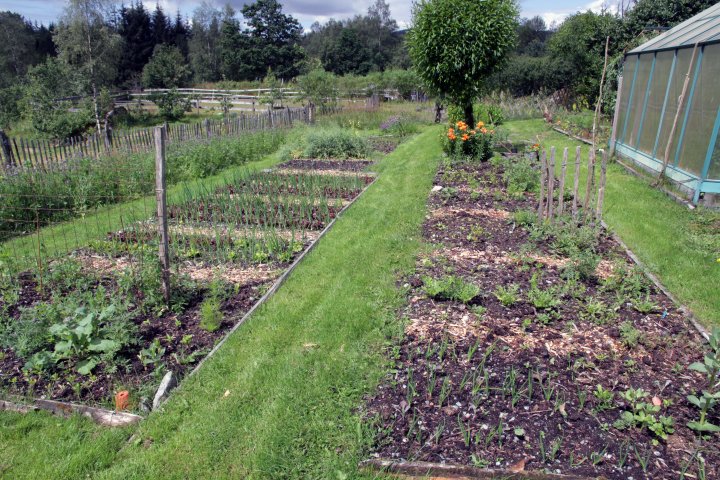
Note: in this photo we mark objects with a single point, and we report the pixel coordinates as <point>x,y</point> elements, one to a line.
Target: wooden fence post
<point>207,127</point>
<point>161,197</point>
<point>270,117</point>
<point>601,186</point>
<point>543,179</point>
<point>576,186</point>
<point>6,150</point>
<point>563,174</point>
<point>590,185</point>
<point>613,135</point>
<point>551,183</point>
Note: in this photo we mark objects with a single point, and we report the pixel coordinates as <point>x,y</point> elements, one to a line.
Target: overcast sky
<point>308,11</point>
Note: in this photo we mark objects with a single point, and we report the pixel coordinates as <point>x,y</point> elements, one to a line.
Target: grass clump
<point>450,288</point>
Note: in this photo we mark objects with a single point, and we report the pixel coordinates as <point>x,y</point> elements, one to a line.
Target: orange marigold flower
<point>480,124</point>
<point>483,130</point>
<point>465,137</point>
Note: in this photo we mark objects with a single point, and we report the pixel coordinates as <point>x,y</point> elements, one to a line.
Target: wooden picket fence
<point>583,210</point>
<point>18,154</point>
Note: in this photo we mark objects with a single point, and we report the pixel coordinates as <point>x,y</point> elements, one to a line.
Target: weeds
<point>508,296</point>
<point>450,288</point>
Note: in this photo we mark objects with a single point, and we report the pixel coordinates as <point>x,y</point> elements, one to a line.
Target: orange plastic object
<point>122,400</point>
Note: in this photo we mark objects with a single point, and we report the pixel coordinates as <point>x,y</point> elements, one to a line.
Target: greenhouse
<point>650,106</point>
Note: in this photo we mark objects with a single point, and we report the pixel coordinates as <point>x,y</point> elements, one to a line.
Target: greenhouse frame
<point>648,98</point>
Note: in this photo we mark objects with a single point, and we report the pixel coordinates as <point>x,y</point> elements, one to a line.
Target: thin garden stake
<point>598,104</point>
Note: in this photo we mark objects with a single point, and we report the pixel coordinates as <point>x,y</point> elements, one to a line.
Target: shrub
<point>474,143</point>
<point>520,175</point>
<point>210,314</point>
<point>335,144</point>
<point>171,104</point>
<point>397,125</point>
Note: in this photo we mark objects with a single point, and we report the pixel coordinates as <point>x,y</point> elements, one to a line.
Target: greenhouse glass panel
<point>702,113</point>
<point>628,72</point>
<point>714,172</point>
<point>676,85</point>
<point>655,101</point>
<point>637,100</point>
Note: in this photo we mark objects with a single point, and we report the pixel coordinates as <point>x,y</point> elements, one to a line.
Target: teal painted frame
<point>630,99</point>
<point>645,101</point>
<point>665,102</point>
<point>708,156</point>
<point>688,107</point>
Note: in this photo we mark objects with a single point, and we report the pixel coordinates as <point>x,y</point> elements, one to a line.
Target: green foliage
<point>171,104</point>
<point>450,288</point>
<point>166,68</point>
<point>706,402</point>
<point>508,295</point>
<point>318,87</point>
<point>456,45</point>
<point>46,83</point>
<point>210,314</point>
<point>710,366</point>
<point>525,218</point>
<point>629,334</point>
<point>577,52</point>
<point>335,143</point>
<point>490,114</point>
<point>10,105</point>
<point>643,414</point>
<point>543,299</point>
<point>86,339</point>
<point>520,175</point>
<point>604,398</point>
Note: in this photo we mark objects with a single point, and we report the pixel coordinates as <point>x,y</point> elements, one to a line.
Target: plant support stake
<point>161,197</point>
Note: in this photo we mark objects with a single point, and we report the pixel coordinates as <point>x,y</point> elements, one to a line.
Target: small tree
<point>455,45</point>
<point>166,68</point>
<point>318,87</point>
<point>275,94</point>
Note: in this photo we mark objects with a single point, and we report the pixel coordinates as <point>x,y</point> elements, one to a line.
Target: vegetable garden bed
<point>540,347</point>
<point>94,323</point>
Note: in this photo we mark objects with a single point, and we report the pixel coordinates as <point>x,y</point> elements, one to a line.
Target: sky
<point>309,11</point>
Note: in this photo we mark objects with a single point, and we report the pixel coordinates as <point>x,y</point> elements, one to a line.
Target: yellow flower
<point>480,124</point>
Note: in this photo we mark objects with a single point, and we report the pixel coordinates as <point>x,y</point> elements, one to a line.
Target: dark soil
<point>384,145</point>
<point>342,165</point>
<point>514,380</point>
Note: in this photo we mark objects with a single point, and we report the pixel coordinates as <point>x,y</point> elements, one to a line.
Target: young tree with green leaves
<point>86,42</point>
<point>166,68</point>
<point>455,45</point>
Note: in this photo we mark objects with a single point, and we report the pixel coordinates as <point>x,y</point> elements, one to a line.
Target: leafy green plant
<point>598,311</point>
<point>508,296</point>
<point>521,175</point>
<point>152,355</point>
<point>710,367</point>
<point>604,398</point>
<point>644,305</point>
<point>335,143</point>
<point>476,234</point>
<point>643,414</point>
<point>450,288</point>
<point>83,338</point>
<point>542,299</point>
<point>629,334</point>
<point>524,218</point>
<point>706,402</point>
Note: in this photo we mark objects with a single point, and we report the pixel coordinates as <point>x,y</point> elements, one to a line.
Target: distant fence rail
<point>19,154</point>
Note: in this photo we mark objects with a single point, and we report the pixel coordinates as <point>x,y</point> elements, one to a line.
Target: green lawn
<point>295,373</point>
<point>659,230</point>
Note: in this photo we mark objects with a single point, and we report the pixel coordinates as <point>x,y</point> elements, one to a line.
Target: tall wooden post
<point>161,197</point>
<point>613,135</point>
<point>543,179</point>
<point>601,186</point>
<point>6,150</point>
<point>590,185</point>
<point>551,183</point>
<point>563,174</point>
<point>576,185</point>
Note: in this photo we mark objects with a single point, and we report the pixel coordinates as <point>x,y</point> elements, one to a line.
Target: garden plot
<point>95,323</point>
<point>541,347</point>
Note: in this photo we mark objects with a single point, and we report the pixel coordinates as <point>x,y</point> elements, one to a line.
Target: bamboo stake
<point>551,183</point>
<point>598,104</point>
<point>601,187</point>
<point>543,179</point>
<point>576,186</point>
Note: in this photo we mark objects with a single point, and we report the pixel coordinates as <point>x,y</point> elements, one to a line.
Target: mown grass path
<point>279,399</point>
<point>656,228</point>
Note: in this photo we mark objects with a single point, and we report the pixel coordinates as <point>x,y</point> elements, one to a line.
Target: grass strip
<point>657,229</point>
<point>278,400</point>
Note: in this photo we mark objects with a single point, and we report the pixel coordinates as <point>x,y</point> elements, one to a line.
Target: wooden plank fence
<point>551,201</point>
<point>18,154</point>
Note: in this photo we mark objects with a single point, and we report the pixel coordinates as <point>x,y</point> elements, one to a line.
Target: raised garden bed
<point>94,323</point>
<point>538,347</point>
